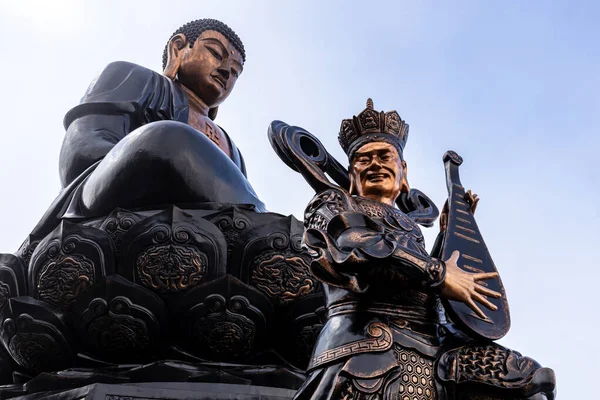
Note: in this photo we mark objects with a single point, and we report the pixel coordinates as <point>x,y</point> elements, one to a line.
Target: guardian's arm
<point>353,249</point>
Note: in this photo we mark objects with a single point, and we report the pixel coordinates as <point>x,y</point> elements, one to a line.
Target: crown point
<point>369,125</point>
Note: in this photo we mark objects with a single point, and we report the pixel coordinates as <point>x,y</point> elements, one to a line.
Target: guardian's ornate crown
<point>372,126</point>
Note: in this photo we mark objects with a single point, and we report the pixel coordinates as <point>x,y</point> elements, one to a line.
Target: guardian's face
<point>377,171</point>
<point>210,69</point>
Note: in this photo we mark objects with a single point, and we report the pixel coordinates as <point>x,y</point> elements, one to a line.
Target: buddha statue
<point>157,253</point>
<point>139,139</point>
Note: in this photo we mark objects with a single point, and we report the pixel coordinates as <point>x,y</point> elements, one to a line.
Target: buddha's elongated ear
<point>174,55</point>
<point>404,187</point>
<point>212,113</point>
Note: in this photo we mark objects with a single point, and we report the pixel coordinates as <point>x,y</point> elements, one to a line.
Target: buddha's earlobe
<point>174,55</point>
<point>212,113</point>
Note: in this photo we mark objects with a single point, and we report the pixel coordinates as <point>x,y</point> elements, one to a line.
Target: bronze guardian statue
<point>394,328</point>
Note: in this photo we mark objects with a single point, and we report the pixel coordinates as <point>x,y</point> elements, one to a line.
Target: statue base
<point>167,390</point>
<point>206,294</point>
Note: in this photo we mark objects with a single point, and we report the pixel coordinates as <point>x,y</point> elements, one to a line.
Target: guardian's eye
<point>386,157</point>
<point>215,53</point>
<point>362,159</point>
<point>234,72</point>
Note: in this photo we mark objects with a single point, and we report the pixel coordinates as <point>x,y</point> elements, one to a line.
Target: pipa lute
<point>462,234</point>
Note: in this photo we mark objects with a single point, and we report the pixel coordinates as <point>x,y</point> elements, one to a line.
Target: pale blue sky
<point>512,86</point>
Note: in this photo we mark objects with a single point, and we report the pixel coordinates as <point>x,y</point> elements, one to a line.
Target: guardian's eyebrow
<point>374,151</point>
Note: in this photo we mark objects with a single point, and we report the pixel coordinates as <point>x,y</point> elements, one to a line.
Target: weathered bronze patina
<point>387,334</point>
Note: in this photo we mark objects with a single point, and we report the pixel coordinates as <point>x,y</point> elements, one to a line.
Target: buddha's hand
<point>470,198</point>
<point>463,286</point>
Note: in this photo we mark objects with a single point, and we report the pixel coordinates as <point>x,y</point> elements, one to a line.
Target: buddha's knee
<point>164,140</point>
<point>164,150</point>
<point>160,155</point>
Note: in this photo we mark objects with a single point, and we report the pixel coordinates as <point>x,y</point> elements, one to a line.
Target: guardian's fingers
<point>488,292</point>
<point>482,300</point>
<point>485,275</point>
<point>474,205</point>
<point>454,257</point>
<point>476,309</point>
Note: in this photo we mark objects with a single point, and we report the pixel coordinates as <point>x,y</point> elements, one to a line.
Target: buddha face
<point>210,68</point>
<point>377,172</point>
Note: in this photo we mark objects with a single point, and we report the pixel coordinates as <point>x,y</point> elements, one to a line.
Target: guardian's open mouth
<point>377,177</point>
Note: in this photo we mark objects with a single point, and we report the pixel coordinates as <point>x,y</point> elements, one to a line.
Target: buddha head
<point>206,57</point>
<point>374,142</point>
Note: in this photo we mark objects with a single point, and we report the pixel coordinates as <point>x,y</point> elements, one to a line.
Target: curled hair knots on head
<point>193,29</point>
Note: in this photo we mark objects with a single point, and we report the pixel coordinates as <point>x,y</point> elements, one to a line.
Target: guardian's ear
<point>174,55</point>
<point>404,187</point>
<point>352,189</point>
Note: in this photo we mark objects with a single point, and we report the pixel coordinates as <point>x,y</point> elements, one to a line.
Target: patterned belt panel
<point>410,313</point>
<point>380,340</point>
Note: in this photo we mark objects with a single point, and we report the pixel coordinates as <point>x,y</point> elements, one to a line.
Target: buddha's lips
<point>220,80</point>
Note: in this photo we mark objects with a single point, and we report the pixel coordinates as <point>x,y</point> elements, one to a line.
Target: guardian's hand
<point>463,286</point>
<point>470,198</point>
<point>444,217</point>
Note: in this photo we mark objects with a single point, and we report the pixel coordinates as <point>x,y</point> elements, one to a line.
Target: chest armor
<point>405,231</point>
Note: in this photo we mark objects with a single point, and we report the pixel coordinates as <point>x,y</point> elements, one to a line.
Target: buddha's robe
<point>128,145</point>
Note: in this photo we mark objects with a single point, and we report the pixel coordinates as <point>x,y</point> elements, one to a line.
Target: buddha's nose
<point>224,73</point>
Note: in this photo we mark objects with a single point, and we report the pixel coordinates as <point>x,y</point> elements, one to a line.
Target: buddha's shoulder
<point>123,81</point>
<point>125,68</point>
